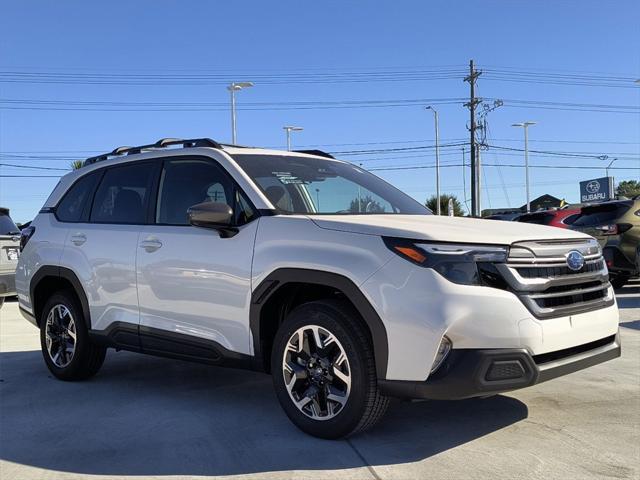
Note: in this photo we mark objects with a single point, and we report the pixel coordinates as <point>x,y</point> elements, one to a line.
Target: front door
<point>194,286</point>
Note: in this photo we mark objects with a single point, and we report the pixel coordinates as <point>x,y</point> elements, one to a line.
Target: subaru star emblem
<point>575,260</point>
<point>593,186</point>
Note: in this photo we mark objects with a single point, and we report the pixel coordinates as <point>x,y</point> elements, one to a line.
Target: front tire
<point>324,372</point>
<point>64,339</point>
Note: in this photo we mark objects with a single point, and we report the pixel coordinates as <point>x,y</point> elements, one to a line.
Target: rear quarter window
<point>7,227</point>
<point>74,206</point>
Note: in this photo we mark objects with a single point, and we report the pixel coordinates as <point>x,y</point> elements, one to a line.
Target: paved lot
<point>149,417</point>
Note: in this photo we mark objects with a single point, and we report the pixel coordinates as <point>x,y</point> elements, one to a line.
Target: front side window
<point>73,207</point>
<point>188,182</point>
<point>123,194</point>
<point>323,186</point>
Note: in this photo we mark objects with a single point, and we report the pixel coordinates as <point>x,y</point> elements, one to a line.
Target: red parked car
<point>553,218</point>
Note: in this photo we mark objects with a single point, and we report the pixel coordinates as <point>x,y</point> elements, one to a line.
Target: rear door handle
<point>78,238</point>
<point>151,244</point>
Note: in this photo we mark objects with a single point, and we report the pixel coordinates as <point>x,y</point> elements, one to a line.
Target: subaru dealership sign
<point>596,190</point>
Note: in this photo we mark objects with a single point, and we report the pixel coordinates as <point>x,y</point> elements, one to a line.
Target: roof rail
<point>317,153</point>
<point>162,143</point>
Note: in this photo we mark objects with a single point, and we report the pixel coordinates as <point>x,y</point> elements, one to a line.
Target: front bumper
<point>7,284</point>
<point>479,372</point>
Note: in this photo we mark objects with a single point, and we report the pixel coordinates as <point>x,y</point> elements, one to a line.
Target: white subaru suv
<point>343,288</point>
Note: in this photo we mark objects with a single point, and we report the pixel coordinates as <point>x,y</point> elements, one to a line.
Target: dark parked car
<point>616,225</point>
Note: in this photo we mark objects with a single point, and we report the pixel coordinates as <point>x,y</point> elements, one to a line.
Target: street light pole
<point>233,88</point>
<point>606,169</point>
<point>526,126</point>
<point>290,129</point>
<point>435,116</point>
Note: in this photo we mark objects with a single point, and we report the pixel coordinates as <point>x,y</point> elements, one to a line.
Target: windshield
<point>307,185</point>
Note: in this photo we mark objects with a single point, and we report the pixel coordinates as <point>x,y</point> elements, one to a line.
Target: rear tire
<point>619,281</point>
<point>64,339</point>
<point>334,393</point>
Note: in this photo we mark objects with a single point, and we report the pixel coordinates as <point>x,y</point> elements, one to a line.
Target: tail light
<point>615,228</point>
<point>25,235</point>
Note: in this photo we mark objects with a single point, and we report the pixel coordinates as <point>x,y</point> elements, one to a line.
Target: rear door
<point>194,286</point>
<point>101,246</point>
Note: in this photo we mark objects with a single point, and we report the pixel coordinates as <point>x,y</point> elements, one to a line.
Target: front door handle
<point>151,244</point>
<point>78,239</point>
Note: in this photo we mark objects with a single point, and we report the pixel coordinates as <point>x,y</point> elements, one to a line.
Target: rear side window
<point>571,218</point>
<point>123,194</point>
<point>74,206</point>
<point>538,218</point>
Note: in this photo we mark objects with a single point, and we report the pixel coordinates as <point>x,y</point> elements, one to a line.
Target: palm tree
<point>76,164</point>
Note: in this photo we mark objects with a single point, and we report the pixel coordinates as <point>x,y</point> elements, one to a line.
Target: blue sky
<point>257,41</point>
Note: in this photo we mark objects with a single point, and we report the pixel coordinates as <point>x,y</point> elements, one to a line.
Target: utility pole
<point>475,177</point>
<point>464,181</point>
<point>477,172</point>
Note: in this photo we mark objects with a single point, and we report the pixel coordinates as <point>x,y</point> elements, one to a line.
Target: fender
<point>66,274</point>
<point>283,276</point>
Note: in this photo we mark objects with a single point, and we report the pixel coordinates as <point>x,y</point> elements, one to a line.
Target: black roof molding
<point>162,143</point>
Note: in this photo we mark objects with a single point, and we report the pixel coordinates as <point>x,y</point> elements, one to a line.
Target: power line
<point>119,106</point>
<point>31,167</point>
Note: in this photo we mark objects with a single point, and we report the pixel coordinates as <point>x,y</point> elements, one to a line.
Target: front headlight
<point>465,264</point>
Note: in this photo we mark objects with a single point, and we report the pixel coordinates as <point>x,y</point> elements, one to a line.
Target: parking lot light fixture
<point>233,88</point>
<point>290,129</point>
<point>525,126</point>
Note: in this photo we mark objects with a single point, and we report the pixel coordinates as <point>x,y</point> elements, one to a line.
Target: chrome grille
<point>538,273</point>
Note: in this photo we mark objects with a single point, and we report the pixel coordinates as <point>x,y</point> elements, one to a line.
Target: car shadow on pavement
<point>150,416</point>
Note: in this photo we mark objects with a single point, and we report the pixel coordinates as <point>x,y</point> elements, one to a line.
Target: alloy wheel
<point>316,372</point>
<point>60,335</point>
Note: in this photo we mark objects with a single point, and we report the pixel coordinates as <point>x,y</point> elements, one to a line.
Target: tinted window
<point>537,218</point>
<point>6,225</point>
<point>601,214</point>
<point>323,186</point>
<point>187,182</point>
<point>72,206</point>
<point>123,194</point>
<point>570,219</point>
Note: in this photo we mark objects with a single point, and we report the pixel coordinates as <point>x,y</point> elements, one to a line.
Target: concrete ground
<point>150,417</point>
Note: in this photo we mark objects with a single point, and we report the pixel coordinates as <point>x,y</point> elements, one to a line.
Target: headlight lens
<point>458,263</point>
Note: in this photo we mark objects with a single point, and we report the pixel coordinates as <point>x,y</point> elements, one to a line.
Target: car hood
<point>443,229</point>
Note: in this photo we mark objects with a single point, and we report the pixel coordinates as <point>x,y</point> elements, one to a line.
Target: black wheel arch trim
<point>62,273</point>
<point>283,276</point>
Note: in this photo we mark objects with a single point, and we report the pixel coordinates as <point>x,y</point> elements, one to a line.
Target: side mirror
<point>217,216</point>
